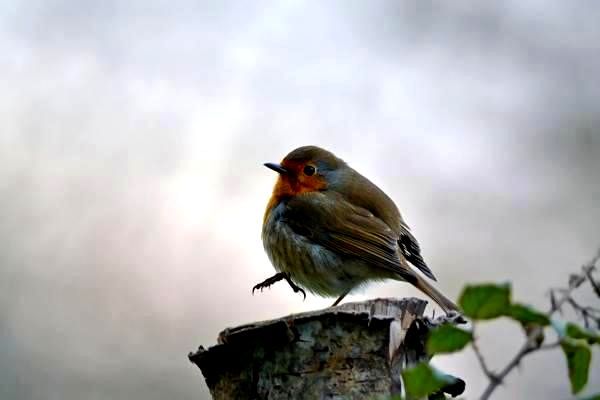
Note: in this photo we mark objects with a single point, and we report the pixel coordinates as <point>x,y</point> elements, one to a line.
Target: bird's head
<point>305,169</point>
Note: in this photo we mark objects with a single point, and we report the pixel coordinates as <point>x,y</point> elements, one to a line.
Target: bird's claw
<point>259,286</point>
<point>303,294</point>
<point>296,288</point>
<point>276,278</point>
<point>268,282</point>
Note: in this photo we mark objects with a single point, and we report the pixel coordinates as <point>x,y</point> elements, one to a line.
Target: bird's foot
<point>295,287</point>
<point>276,278</point>
<point>268,282</point>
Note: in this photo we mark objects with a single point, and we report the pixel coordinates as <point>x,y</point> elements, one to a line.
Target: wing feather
<point>412,251</point>
<point>332,222</point>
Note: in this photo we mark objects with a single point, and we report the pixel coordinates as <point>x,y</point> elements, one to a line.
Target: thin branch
<point>530,346</point>
<point>587,270</point>
<point>516,360</point>
<point>549,346</point>
<point>579,307</point>
<point>566,293</point>
<point>491,376</point>
<point>591,311</point>
<point>593,282</point>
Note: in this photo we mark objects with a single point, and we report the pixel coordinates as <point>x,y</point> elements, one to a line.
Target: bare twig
<point>578,307</point>
<point>556,304</point>
<point>588,275</point>
<point>595,285</point>
<point>587,313</point>
<point>526,349</point>
<point>486,370</point>
<point>549,346</point>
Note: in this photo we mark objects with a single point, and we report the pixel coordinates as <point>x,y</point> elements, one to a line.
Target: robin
<point>330,230</point>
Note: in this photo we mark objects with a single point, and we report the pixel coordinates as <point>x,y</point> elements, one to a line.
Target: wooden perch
<point>352,351</point>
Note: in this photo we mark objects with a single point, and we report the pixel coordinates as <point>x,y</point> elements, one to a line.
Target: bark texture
<point>352,351</point>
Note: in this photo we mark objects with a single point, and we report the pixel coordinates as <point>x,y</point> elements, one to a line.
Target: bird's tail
<point>444,302</point>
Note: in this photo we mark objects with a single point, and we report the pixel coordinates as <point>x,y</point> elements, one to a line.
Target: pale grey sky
<point>132,187</point>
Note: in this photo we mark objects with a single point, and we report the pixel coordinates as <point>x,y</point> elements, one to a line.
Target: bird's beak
<point>276,167</point>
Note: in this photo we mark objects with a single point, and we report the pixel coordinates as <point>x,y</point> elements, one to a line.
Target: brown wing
<point>332,222</point>
<point>362,192</point>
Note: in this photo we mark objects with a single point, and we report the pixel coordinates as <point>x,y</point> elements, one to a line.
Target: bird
<point>330,230</point>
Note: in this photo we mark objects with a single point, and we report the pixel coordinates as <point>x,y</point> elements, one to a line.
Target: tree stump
<point>352,351</point>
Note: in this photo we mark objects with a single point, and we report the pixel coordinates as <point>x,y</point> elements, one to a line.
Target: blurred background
<point>132,188</point>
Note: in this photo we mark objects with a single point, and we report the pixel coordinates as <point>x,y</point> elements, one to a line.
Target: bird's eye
<point>309,170</point>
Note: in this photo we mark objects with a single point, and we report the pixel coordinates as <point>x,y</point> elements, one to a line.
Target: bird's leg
<point>294,287</point>
<point>276,278</point>
<point>339,299</point>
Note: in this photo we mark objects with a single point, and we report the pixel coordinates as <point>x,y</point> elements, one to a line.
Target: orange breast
<point>287,186</point>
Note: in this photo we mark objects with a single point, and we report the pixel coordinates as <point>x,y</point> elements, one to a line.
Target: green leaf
<point>579,332</point>
<point>592,397</point>
<point>569,329</point>
<point>527,315</point>
<point>447,339</point>
<point>486,301</point>
<point>423,379</point>
<point>578,362</point>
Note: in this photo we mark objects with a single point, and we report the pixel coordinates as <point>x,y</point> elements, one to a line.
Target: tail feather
<point>437,296</point>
